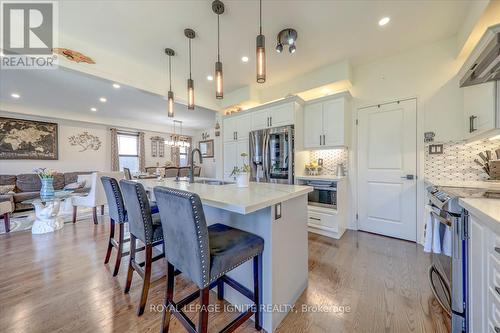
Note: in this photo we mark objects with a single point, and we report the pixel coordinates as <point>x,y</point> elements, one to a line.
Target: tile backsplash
<point>456,164</point>
<point>331,157</point>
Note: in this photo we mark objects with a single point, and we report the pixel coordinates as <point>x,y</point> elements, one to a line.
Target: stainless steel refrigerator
<point>271,155</point>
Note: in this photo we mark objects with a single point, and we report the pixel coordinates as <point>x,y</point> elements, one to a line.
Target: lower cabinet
<point>484,278</point>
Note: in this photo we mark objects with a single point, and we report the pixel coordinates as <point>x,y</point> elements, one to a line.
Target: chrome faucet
<point>191,168</point>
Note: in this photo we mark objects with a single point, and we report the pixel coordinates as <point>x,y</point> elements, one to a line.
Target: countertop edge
<point>471,205</point>
<point>321,177</point>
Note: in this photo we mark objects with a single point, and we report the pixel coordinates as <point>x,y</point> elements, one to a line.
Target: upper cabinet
<point>237,128</point>
<point>480,109</point>
<point>327,122</point>
<point>274,116</point>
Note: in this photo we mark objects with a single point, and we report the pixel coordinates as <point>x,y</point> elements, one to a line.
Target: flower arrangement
<point>44,173</point>
<point>244,169</point>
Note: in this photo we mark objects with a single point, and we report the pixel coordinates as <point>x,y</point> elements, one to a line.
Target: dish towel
<point>432,237</point>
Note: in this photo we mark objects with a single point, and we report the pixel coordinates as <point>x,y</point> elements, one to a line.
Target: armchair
<point>96,195</point>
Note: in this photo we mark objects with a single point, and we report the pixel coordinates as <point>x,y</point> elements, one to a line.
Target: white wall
<point>70,159</point>
<point>209,166</point>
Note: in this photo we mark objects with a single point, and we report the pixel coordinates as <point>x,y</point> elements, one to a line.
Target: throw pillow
<point>5,189</point>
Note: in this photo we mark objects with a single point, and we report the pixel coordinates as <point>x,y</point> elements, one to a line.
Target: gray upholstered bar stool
<point>145,227</point>
<point>118,216</point>
<point>204,255</point>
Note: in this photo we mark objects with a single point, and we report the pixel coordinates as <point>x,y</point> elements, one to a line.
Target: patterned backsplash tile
<point>456,164</point>
<point>331,157</point>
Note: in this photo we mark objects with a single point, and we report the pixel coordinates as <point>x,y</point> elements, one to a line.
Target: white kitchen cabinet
<point>480,109</point>
<point>242,147</point>
<point>260,120</point>
<point>230,153</point>
<point>477,275</point>
<point>274,116</point>
<point>327,122</point>
<point>313,125</point>
<point>237,128</point>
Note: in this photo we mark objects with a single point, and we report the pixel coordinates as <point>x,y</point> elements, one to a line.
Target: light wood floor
<point>58,283</point>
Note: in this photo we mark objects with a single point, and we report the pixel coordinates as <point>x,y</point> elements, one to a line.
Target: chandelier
<point>177,140</point>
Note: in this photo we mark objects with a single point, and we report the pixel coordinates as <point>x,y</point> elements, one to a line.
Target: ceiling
<point>127,38</point>
<point>71,94</point>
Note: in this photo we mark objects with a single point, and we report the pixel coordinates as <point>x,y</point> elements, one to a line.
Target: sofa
<point>27,186</point>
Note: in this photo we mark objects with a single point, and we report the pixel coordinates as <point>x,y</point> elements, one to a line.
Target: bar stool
<point>117,215</point>
<point>204,255</point>
<point>145,227</point>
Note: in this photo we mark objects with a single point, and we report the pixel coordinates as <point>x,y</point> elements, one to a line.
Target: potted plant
<point>242,175</point>
<point>47,179</point>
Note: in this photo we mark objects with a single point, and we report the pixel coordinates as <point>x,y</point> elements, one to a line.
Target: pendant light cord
<point>170,71</point>
<point>218,38</point>
<point>190,58</point>
<point>260,13</point>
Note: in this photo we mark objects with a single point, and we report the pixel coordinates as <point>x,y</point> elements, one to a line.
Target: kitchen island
<point>275,212</point>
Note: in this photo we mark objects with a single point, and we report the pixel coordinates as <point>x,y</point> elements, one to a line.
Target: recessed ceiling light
<point>14,95</point>
<point>93,109</point>
<point>210,78</point>
<point>103,99</point>
<point>244,59</point>
<point>383,21</point>
<point>116,86</point>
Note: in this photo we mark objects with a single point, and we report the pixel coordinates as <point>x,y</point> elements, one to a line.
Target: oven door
<point>323,196</point>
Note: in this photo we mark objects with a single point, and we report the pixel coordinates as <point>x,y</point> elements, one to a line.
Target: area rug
<point>23,221</point>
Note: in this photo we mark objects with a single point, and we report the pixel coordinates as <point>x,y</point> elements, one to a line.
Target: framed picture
<point>22,139</point>
<point>207,148</point>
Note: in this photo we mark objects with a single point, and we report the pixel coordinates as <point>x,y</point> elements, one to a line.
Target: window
<point>183,156</point>
<point>128,151</point>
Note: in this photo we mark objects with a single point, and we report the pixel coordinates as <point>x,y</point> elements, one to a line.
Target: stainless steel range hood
<point>483,64</point>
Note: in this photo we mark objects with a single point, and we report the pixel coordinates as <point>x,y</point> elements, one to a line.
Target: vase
<point>242,179</point>
<point>47,189</point>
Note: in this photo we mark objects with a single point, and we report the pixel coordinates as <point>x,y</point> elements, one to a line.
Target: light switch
<point>277,211</point>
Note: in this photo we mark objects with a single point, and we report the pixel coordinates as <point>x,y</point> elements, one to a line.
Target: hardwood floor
<point>362,283</point>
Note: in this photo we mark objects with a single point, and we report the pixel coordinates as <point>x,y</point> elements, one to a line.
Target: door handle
<point>471,124</point>
<point>408,177</point>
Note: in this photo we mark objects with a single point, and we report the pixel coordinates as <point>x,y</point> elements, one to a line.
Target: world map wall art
<point>27,140</point>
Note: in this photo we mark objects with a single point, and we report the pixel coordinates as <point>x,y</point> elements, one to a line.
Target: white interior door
<point>387,165</point>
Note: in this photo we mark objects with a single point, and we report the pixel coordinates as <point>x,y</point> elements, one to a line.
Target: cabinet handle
<point>314,218</point>
<point>320,140</point>
<point>324,140</point>
<point>471,124</point>
<point>497,290</point>
<point>236,135</point>
<point>271,121</point>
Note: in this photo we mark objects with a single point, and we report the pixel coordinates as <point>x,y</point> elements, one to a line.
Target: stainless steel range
<point>448,276</point>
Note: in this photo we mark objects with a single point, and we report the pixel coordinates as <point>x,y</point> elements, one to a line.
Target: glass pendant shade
<point>170,104</point>
<point>190,86</point>
<point>261,59</point>
<point>219,80</point>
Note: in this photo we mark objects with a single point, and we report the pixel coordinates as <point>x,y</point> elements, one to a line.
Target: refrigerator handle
<point>265,157</point>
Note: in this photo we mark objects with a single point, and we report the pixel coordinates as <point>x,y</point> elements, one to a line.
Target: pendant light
<point>190,34</point>
<point>218,8</point>
<point>261,51</point>
<point>170,94</point>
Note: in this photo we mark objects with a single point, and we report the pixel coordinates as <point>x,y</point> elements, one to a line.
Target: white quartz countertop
<point>485,210</point>
<point>321,177</point>
<point>232,198</point>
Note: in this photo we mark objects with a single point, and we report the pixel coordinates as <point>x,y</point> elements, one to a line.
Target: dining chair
<point>146,228</point>
<point>171,172</point>
<point>96,196</point>
<point>204,255</point>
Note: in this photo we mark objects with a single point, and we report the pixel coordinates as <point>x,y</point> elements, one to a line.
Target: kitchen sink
<point>211,182</point>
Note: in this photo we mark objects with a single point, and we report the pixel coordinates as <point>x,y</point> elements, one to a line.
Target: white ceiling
<point>71,94</point>
<point>127,38</point>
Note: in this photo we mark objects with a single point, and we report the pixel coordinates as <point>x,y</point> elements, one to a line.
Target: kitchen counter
<point>486,210</point>
<point>242,200</point>
<point>322,177</point>
<point>487,185</point>
<point>283,228</point>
